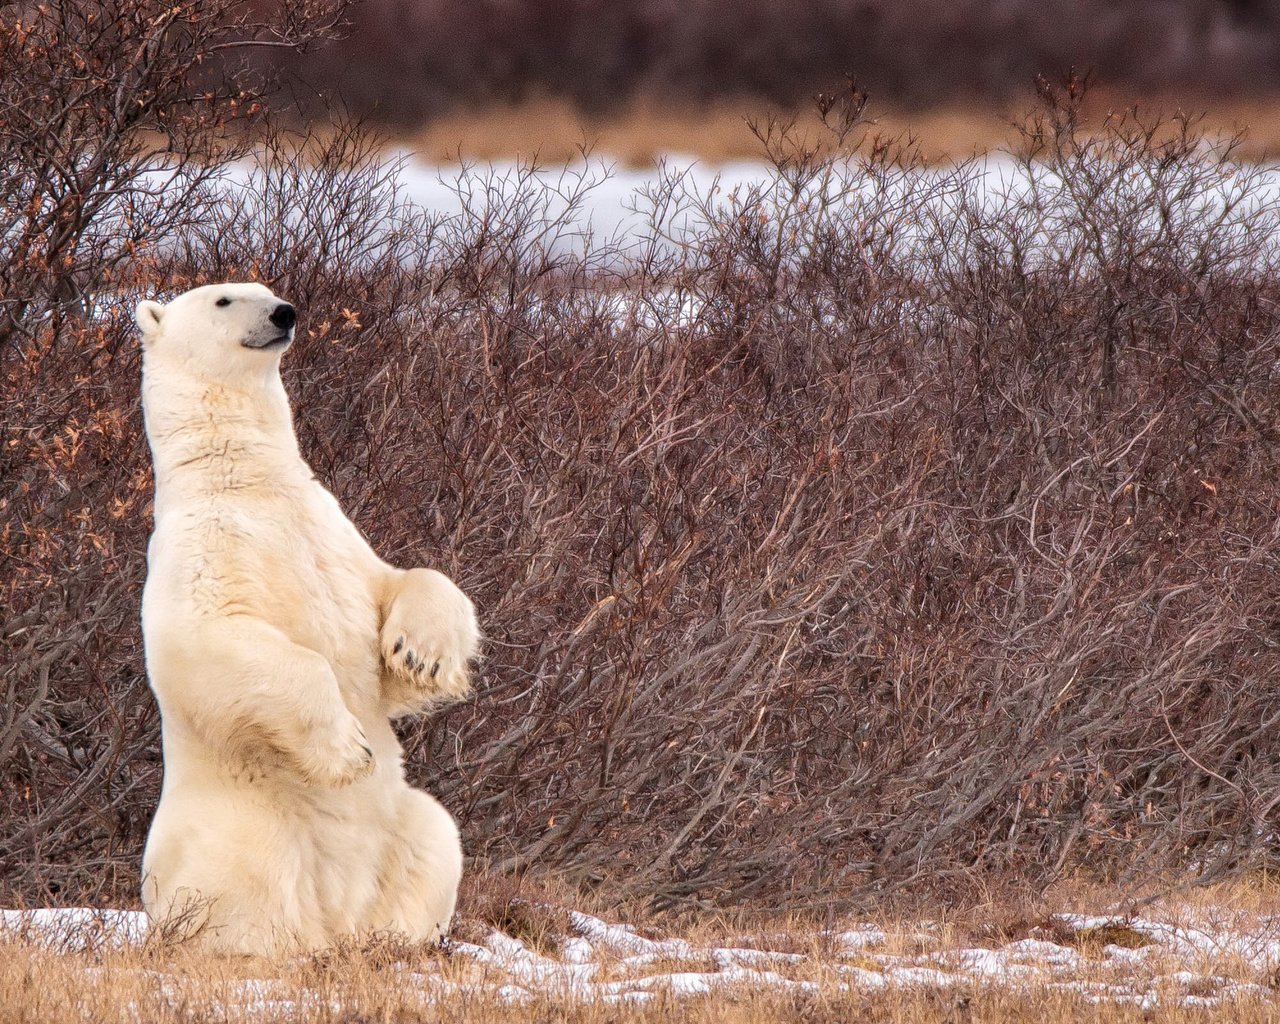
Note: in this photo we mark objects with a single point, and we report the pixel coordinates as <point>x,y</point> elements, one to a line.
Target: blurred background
<point>643,77</point>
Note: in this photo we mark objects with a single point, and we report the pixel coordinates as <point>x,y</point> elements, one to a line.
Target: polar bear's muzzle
<point>284,316</point>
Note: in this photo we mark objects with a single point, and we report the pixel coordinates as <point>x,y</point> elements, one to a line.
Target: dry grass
<point>554,131</point>
<point>38,987</point>
<point>645,130</point>
<point>385,980</point>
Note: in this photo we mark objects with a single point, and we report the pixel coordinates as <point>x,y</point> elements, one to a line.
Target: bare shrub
<point>116,114</point>
<point>870,530</point>
<point>117,118</point>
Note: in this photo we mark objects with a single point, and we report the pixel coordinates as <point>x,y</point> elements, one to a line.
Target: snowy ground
<point>1215,961</point>
<point>618,203</point>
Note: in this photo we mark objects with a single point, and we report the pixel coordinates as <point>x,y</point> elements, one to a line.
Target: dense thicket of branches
<point>870,529</point>
<point>408,60</point>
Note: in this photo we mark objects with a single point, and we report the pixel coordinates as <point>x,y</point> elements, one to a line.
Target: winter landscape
<point>874,545</point>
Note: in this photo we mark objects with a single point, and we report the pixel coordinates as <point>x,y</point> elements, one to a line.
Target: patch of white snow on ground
<point>74,928</point>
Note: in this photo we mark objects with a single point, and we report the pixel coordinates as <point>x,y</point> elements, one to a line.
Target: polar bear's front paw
<point>339,757</point>
<point>430,636</point>
<point>438,676</point>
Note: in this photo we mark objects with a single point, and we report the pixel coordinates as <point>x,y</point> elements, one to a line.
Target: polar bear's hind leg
<point>205,886</point>
<point>419,875</point>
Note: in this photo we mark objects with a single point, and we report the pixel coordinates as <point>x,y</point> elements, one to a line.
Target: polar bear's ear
<point>148,316</point>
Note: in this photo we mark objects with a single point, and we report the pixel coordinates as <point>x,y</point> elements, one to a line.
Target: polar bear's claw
<point>340,760</point>
<point>423,673</point>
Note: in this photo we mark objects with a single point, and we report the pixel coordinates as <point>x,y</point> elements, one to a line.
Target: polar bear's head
<point>219,330</point>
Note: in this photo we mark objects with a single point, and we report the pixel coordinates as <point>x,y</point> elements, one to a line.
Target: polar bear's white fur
<point>279,646</point>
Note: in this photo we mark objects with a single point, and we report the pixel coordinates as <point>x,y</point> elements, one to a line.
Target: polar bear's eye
<point>223,302</point>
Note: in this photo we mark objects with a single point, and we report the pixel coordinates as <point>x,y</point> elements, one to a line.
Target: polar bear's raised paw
<point>429,637</point>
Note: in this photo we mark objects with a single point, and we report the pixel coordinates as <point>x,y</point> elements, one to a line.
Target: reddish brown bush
<point>868,530</point>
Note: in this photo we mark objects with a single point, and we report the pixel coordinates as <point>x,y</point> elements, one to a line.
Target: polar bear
<point>279,647</point>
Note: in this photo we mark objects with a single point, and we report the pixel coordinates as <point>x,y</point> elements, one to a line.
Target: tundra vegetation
<point>872,533</point>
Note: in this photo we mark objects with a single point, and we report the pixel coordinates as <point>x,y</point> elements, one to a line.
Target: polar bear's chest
<point>314,581</point>
<point>289,558</point>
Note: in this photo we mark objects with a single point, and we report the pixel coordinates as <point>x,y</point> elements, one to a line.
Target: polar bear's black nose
<point>283,316</point>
